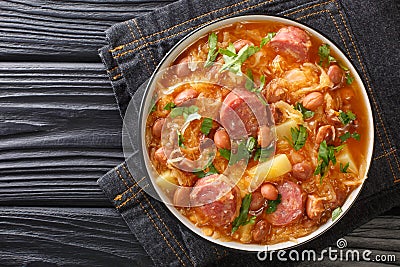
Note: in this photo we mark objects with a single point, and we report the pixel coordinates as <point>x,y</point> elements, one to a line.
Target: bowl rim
<point>168,60</point>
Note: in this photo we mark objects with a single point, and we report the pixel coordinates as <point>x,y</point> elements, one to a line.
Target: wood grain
<point>59,132</point>
<point>99,237</point>
<point>67,236</point>
<point>72,30</point>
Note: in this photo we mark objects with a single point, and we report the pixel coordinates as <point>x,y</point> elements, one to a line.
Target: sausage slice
<point>291,206</point>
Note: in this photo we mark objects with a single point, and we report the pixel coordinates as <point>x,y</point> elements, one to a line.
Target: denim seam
<point>371,91</point>
<point>175,26</point>
<point>159,217</point>
<point>147,47</point>
<point>141,52</point>
<point>152,220</point>
<point>188,29</point>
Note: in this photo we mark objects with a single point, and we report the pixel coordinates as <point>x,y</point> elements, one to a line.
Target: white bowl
<point>168,60</point>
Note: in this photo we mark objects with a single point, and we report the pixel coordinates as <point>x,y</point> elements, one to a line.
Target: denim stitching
<point>188,29</point>
<point>151,219</point>
<point>155,211</point>
<point>175,26</point>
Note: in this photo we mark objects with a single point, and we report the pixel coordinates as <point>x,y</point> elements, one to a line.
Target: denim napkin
<point>136,47</point>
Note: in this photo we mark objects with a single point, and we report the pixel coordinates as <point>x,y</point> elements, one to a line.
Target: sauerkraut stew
<point>258,133</point>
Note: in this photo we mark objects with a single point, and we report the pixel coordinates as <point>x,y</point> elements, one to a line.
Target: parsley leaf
<point>306,113</point>
<point>212,50</point>
<point>336,212</point>
<point>226,153</point>
<point>346,117</point>
<point>242,152</point>
<point>262,154</point>
<point>233,61</point>
<point>211,170</point>
<point>183,111</point>
<point>323,51</point>
<point>299,137</point>
<point>230,51</point>
<point>325,155</point>
<point>242,218</point>
<point>206,126</point>
<point>267,38</point>
<point>251,144</point>
<point>273,204</point>
<point>250,86</point>
<point>181,140</point>
<point>345,167</point>
<point>348,135</point>
<point>169,106</point>
<point>349,78</point>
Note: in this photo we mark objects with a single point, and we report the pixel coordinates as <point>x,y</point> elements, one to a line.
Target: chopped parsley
<point>183,111</point>
<point>306,112</point>
<point>349,78</point>
<point>242,219</point>
<point>267,38</point>
<point>251,144</point>
<point>324,52</point>
<point>343,168</point>
<point>348,135</point>
<point>226,153</point>
<point>169,106</point>
<point>242,152</point>
<point>336,212</point>
<point>250,82</point>
<point>299,137</point>
<point>181,140</point>
<point>273,204</point>
<point>262,154</point>
<point>326,154</point>
<point>206,126</point>
<point>203,173</point>
<point>212,50</point>
<point>346,117</point>
<point>233,61</point>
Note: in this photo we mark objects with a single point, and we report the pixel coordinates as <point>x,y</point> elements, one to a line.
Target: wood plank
<point>99,236</point>
<point>59,132</point>
<point>67,236</point>
<point>62,30</point>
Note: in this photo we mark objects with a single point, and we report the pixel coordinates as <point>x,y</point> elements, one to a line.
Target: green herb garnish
<point>306,112</point>
<point>183,111</point>
<point>233,61</point>
<point>299,137</point>
<point>343,168</point>
<point>206,126</point>
<point>348,135</point>
<point>262,154</point>
<point>346,117</point>
<point>212,50</point>
<point>324,52</point>
<point>226,153</point>
<point>250,82</point>
<point>211,170</point>
<point>242,152</point>
<point>273,204</point>
<point>242,219</point>
<point>267,38</point>
<point>349,78</point>
<point>251,144</point>
<point>169,106</point>
<point>181,140</point>
<point>336,212</point>
<point>326,154</point>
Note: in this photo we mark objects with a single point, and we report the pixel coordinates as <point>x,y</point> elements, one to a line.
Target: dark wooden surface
<point>60,131</point>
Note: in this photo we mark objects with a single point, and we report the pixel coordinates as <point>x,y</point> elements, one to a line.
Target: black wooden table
<point>60,130</point>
